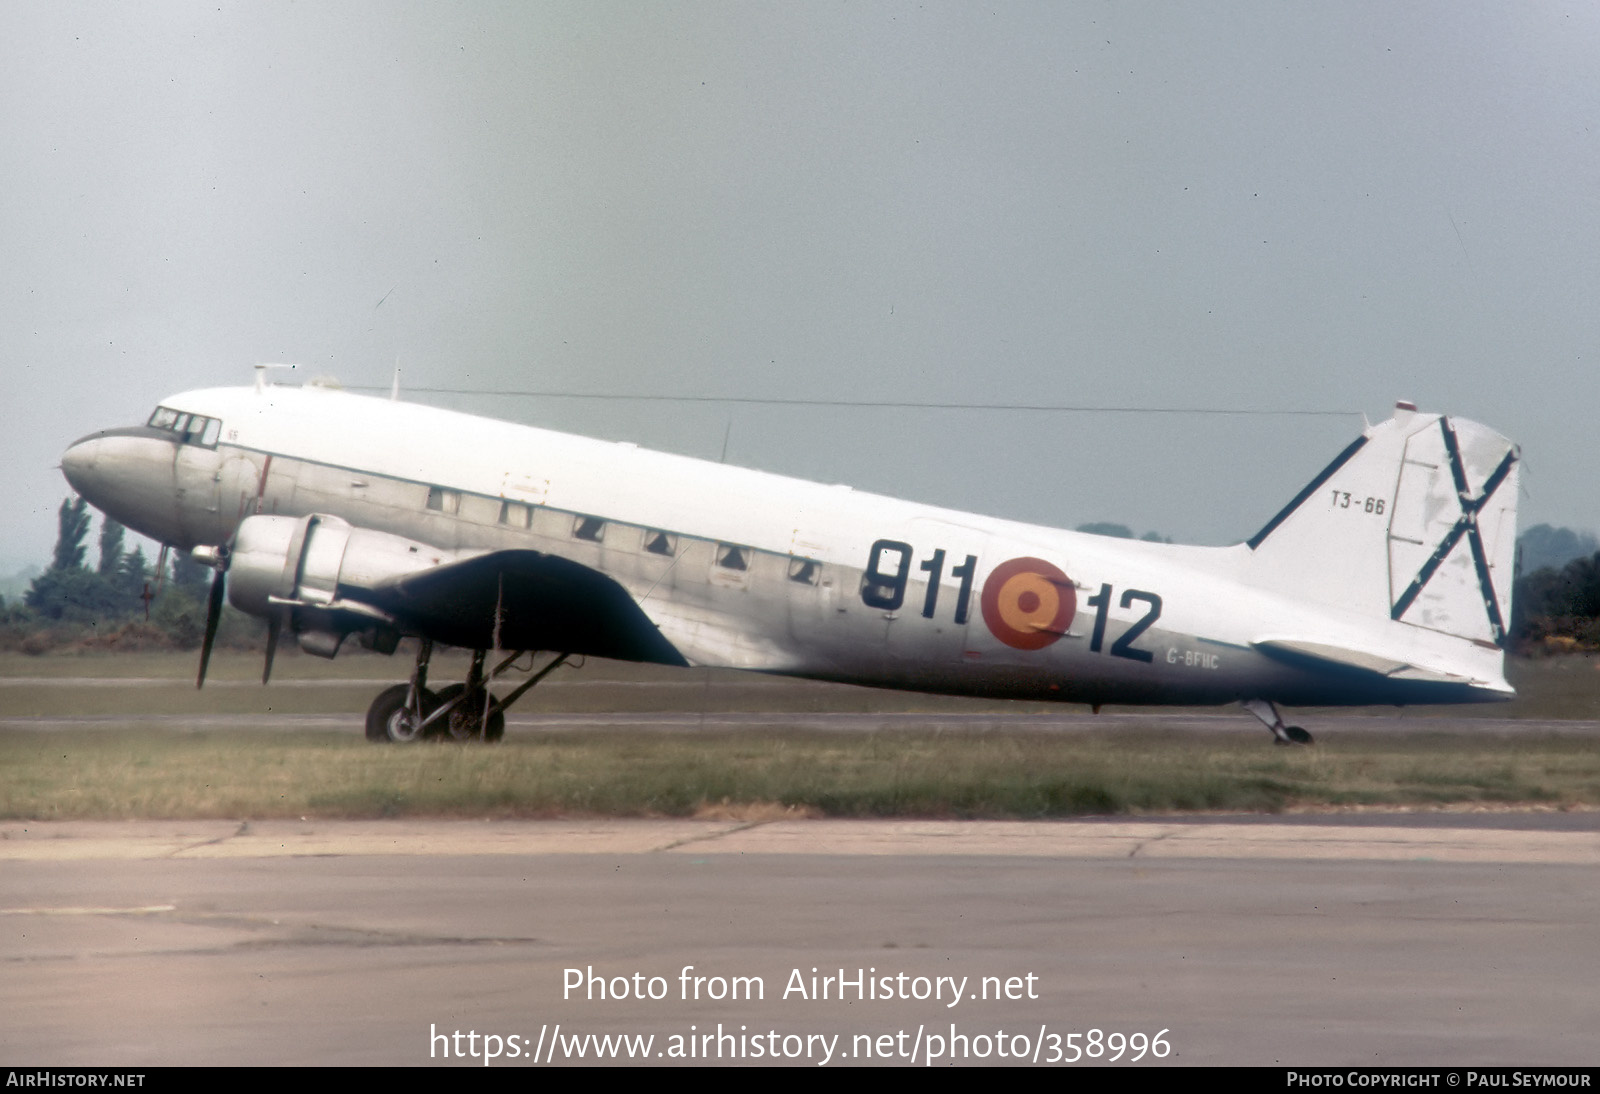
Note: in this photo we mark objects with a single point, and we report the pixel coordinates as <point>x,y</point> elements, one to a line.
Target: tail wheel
<point>464,722</point>
<point>389,720</point>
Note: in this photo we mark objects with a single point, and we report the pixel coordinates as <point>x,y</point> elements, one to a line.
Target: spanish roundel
<point>1028,603</point>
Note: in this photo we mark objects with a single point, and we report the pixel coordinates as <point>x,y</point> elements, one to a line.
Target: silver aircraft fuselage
<point>1386,581</point>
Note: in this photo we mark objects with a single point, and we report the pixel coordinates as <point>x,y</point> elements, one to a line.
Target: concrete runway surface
<point>1401,940</point>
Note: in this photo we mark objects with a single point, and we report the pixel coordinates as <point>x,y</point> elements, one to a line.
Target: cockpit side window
<point>190,428</point>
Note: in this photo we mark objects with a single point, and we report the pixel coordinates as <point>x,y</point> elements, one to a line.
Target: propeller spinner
<point>218,559</point>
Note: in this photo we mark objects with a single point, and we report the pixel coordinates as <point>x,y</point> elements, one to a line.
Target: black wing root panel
<point>545,603</point>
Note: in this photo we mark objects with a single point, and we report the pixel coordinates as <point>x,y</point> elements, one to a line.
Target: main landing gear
<point>1267,711</point>
<point>467,711</point>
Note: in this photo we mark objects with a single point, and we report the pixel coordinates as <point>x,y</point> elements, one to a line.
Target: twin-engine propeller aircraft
<point>1386,580</point>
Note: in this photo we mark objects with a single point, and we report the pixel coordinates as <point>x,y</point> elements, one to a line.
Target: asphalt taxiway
<point>1323,940</point>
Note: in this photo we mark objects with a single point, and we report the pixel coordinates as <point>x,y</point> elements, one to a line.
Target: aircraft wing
<point>545,603</point>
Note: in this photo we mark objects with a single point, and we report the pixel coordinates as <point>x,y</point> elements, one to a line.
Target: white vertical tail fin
<point>1415,522</point>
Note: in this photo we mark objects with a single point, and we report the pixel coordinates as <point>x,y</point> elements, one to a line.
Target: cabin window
<point>589,528</point>
<point>441,500</point>
<point>516,515</point>
<point>804,570</point>
<point>659,543</point>
<point>732,558</point>
<point>479,509</point>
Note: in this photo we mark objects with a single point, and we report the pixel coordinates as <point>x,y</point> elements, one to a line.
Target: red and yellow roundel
<point>1028,603</point>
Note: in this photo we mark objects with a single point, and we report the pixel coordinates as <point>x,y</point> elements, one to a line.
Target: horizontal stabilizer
<point>1362,660</point>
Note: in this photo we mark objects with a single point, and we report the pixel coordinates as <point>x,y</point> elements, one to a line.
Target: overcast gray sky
<point>1314,207</point>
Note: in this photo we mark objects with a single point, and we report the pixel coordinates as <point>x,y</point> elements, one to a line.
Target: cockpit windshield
<point>190,428</point>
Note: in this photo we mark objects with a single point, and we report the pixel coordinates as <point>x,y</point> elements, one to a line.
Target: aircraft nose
<point>127,474</point>
<point>78,461</point>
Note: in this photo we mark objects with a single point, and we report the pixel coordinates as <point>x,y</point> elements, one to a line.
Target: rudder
<point>1414,522</point>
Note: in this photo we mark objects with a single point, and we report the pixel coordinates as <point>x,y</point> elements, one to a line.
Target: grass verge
<point>143,773</point>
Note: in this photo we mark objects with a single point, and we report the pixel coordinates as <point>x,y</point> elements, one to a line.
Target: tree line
<point>1556,607</point>
<point>122,601</point>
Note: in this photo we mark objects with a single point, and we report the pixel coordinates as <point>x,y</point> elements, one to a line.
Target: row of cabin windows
<point>515,514</point>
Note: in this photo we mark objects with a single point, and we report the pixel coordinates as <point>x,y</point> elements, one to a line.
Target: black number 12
<point>1123,646</point>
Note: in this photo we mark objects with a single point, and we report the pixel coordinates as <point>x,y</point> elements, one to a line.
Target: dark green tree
<point>132,574</point>
<point>71,593</point>
<point>1564,602</point>
<point>1581,587</point>
<point>72,520</point>
<point>1105,528</point>
<point>189,575</point>
<point>1120,531</point>
<point>1545,546</point>
<point>74,596</point>
<point>111,536</point>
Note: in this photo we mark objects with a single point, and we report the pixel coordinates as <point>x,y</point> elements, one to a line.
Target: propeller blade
<point>274,627</point>
<point>213,617</point>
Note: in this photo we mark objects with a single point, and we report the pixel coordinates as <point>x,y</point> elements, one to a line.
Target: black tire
<point>462,723</point>
<point>388,721</point>
<point>1298,735</point>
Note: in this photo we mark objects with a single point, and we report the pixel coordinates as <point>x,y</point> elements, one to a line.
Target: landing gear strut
<point>1267,711</point>
<point>393,717</point>
<point>399,714</point>
<point>462,712</point>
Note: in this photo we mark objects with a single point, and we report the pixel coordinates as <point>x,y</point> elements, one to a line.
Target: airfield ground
<point>128,736</point>
<point>237,877</point>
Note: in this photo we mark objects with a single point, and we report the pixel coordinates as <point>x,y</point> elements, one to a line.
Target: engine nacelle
<point>314,568</point>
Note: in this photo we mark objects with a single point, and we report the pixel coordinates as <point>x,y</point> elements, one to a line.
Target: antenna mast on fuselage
<point>261,373</point>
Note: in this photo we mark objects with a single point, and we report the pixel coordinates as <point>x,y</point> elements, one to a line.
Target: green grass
<point>141,773</point>
<point>178,771</point>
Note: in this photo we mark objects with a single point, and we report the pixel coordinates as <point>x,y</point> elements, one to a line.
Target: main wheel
<point>462,723</point>
<point>389,720</point>
<point>1298,735</point>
